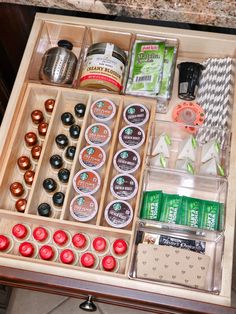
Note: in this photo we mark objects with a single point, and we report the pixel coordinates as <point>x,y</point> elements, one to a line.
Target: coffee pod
<point>80,241</point>
<point>36,152</point>
<point>42,128</point>
<point>31,139</point>
<point>103,110</point>
<point>48,253</point>
<point>17,189</point>
<point>124,186</point>
<point>6,243</point>
<point>58,199</point>
<point>83,207</point>
<point>67,119</point>
<point>80,110</point>
<point>86,182</point>
<point>131,136</point>
<point>98,134</point>
<point>89,260</point>
<point>44,209</point>
<point>136,114</point>
<point>49,185</point>
<point>27,249</point>
<point>61,238</point>
<point>41,234</point>
<point>37,116</point>
<point>62,141</point>
<point>119,248</point>
<point>49,105</point>
<point>29,177</point>
<point>63,175</point>
<point>56,161</point>
<point>70,153</point>
<point>109,263</point>
<point>75,131</point>
<point>100,245</point>
<point>126,160</point>
<point>24,163</point>
<point>20,205</point>
<point>68,256</point>
<point>92,157</point>
<point>21,232</point>
<point>118,214</point>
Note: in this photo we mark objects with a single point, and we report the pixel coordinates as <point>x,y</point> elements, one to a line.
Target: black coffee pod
<point>49,185</point>
<point>75,131</point>
<point>70,152</point>
<point>44,209</point>
<point>62,141</point>
<point>58,199</point>
<point>67,118</point>
<point>56,161</point>
<point>63,175</point>
<point>79,110</point>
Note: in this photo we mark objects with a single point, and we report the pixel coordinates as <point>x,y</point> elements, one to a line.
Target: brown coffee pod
<point>29,177</point>
<point>31,139</point>
<point>20,205</point>
<point>36,151</point>
<point>49,105</point>
<point>24,163</point>
<point>37,116</point>
<point>16,189</point>
<point>42,128</point>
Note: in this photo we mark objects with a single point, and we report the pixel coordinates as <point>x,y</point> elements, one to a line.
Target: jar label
<point>98,134</point>
<point>102,69</point>
<point>92,157</point>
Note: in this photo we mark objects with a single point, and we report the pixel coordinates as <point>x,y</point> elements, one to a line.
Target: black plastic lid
<point>65,44</point>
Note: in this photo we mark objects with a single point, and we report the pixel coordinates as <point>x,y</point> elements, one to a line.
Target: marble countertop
<point>220,13</point>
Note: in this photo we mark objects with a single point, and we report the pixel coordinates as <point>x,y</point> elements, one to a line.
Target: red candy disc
<point>26,249</point>
<point>4,243</point>
<point>87,260</point>
<point>40,234</point>
<point>46,252</point>
<point>120,247</point>
<point>189,113</point>
<point>99,244</point>
<point>79,240</point>
<point>109,263</point>
<point>60,237</point>
<point>19,231</point>
<point>67,256</point>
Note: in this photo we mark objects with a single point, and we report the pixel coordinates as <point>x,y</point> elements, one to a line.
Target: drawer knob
<point>88,305</point>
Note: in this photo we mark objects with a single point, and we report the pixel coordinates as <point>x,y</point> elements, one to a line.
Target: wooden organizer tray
<point>28,94</point>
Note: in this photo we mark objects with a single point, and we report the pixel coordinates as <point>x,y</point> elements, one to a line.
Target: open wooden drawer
<point>29,94</point>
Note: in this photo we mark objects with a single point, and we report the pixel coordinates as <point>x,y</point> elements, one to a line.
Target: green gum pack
<point>167,73</point>
<point>171,208</point>
<point>151,205</point>
<point>210,215</point>
<point>146,68</point>
<point>191,212</point>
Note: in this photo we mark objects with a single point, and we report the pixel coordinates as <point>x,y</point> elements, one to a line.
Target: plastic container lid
<point>109,263</point>
<point>99,244</point>
<point>120,247</point>
<point>40,234</point>
<point>60,237</point>
<point>131,136</point>
<point>124,186</point>
<point>46,252</point>
<point>86,182</point>
<point>103,110</point>
<point>83,207</point>
<point>118,214</point>
<point>67,256</point>
<point>87,260</point>
<point>79,240</point>
<point>92,157</point>
<point>4,242</point>
<point>136,114</point>
<point>26,249</point>
<point>126,160</point>
<point>98,134</point>
<point>19,231</point>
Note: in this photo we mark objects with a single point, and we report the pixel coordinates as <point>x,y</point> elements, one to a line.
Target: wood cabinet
<point>30,94</point>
